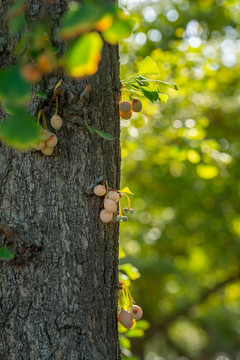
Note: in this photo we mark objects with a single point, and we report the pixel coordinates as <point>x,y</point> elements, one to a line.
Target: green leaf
<point>13,89</point>
<point>5,254</point>
<point>104,135</point>
<point>80,19</point>
<point>162,97</point>
<point>164,83</point>
<point>151,92</point>
<point>125,343</point>
<point>20,130</point>
<point>120,29</point>
<point>131,271</point>
<point>83,55</point>
<point>126,190</point>
<point>99,132</point>
<point>142,324</point>
<point>135,333</point>
<point>141,79</point>
<point>148,67</point>
<point>16,16</point>
<point>41,94</point>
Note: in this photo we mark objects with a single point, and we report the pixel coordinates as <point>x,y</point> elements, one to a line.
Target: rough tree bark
<point>58,297</point>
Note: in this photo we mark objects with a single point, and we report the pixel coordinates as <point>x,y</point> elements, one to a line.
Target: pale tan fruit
<point>126,115</point>
<point>110,205</point>
<point>44,135</point>
<point>125,318</point>
<point>136,105</point>
<point>45,63</point>
<point>52,141</point>
<point>99,190</point>
<point>113,195</point>
<point>47,151</point>
<point>131,325</point>
<point>125,106</point>
<point>106,216</point>
<point>40,145</point>
<point>30,73</point>
<point>56,121</point>
<point>136,312</point>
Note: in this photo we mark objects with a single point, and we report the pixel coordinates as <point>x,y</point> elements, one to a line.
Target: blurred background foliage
<point>182,161</point>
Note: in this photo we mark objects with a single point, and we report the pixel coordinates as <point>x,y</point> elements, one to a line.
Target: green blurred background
<point>182,161</point>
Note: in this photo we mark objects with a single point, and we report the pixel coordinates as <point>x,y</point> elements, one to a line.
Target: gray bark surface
<point>58,297</point>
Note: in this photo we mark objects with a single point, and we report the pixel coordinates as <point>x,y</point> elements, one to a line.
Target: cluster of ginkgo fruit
<point>49,140</point>
<point>128,317</point>
<point>111,203</point>
<point>126,108</point>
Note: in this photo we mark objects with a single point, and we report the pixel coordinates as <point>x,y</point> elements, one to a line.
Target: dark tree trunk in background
<point>58,297</point>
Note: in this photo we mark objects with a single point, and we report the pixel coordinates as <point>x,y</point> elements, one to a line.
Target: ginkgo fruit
<point>125,106</point>
<point>125,318</point>
<point>30,73</point>
<point>113,195</point>
<point>99,190</point>
<point>110,205</point>
<point>44,135</point>
<point>47,151</point>
<point>52,141</point>
<point>45,63</point>
<point>39,146</point>
<point>136,105</point>
<point>136,312</point>
<point>56,121</point>
<point>106,216</point>
<point>126,115</point>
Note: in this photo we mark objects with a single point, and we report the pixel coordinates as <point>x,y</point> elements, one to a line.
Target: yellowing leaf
<point>207,171</point>
<point>83,55</point>
<point>148,67</point>
<point>58,84</point>
<point>126,190</point>
<point>120,29</point>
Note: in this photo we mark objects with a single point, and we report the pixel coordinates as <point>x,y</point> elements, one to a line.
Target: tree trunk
<point>58,296</point>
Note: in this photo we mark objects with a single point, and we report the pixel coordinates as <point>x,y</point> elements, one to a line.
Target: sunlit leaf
<point>121,252</point>
<point>83,55</point>
<point>124,342</point>
<point>132,333</point>
<point>120,29</point>
<point>162,97</point>
<point>148,67</point>
<point>20,130</point>
<point>206,171</point>
<point>142,324</point>
<point>126,190</point>
<point>13,90</point>
<point>164,83</point>
<point>5,254</point>
<point>131,271</point>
